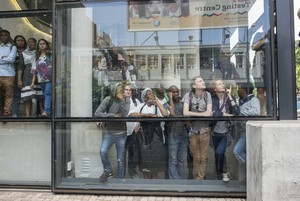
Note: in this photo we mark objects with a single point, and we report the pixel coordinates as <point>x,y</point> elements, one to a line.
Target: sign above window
<point>187,14</point>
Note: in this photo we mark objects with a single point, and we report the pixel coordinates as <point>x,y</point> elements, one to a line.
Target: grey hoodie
<point>107,109</point>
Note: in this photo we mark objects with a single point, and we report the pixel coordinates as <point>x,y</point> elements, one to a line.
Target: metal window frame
<point>286,59</point>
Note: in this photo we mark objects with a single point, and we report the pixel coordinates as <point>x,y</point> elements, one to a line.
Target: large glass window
<point>25,151</point>
<point>158,45</point>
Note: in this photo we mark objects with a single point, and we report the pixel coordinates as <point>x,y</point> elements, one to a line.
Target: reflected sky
<point>116,26</point>
<point>112,18</point>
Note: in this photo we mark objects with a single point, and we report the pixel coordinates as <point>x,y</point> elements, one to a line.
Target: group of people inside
<point>25,76</point>
<point>156,146</point>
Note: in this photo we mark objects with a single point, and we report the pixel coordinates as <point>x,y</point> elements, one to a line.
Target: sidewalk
<point>44,195</point>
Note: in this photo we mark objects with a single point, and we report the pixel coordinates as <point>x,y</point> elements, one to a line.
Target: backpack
<point>190,108</point>
<point>191,97</point>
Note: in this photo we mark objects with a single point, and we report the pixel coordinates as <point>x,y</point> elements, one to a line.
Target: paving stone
<point>24,195</point>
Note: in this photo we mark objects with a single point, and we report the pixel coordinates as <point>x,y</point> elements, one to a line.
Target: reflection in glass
<point>153,53</point>
<point>27,5</point>
<point>158,46</point>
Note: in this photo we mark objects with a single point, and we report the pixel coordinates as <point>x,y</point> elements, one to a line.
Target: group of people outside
<point>25,76</point>
<point>155,146</point>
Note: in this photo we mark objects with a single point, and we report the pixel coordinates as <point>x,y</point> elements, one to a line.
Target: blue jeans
<point>107,141</point>
<point>239,149</point>
<point>220,145</point>
<point>47,91</point>
<point>177,155</point>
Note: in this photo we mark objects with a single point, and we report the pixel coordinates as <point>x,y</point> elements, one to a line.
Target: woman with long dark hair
<point>43,72</point>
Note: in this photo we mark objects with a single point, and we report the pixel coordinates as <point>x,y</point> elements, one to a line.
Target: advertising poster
<point>187,14</point>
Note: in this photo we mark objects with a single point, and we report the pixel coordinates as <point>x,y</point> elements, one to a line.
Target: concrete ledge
<point>273,160</point>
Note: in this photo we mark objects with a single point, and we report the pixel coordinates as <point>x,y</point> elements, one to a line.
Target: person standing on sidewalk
<point>8,54</point>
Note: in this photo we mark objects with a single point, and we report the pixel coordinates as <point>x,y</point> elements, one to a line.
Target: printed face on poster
<point>187,14</point>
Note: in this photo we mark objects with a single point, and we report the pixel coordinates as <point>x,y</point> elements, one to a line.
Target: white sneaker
<point>226,177</point>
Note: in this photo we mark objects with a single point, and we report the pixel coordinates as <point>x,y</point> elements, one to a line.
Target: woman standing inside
<point>28,96</point>
<point>43,72</point>
<point>20,43</point>
<point>154,157</point>
<point>223,104</point>
<point>132,143</point>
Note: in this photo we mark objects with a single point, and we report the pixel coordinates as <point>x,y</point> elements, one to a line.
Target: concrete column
<point>273,160</point>
<point>81,63</point>
<point>85,137</point>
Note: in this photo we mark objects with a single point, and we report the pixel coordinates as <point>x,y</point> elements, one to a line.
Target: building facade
<point>162,42</point>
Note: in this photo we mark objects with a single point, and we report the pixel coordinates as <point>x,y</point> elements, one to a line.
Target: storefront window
<point>159,45</point>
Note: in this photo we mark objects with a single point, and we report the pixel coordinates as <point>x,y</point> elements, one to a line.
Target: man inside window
<point>7,71</point>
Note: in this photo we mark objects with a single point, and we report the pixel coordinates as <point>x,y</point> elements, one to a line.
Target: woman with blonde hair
<point>115,105</point>
<point>223,104</point>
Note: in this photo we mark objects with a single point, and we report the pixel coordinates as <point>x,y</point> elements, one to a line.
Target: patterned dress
<point>27,60</point>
